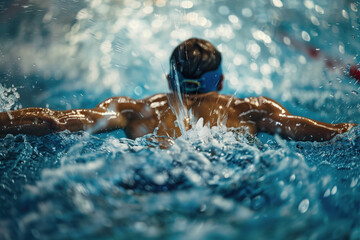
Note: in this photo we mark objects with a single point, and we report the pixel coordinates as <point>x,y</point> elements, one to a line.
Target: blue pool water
<point>213,183</point>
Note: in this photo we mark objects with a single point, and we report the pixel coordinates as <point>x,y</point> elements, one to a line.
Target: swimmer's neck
<point>193,96</point>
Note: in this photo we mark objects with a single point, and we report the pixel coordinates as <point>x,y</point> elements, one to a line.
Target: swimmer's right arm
<point>275,119</point>
<point>108,115</point>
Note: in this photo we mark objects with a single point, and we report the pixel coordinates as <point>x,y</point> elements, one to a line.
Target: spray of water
<point>213,183</point>
<point>176,102</point>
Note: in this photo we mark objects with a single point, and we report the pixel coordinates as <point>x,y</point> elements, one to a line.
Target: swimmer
<point>196,64</point>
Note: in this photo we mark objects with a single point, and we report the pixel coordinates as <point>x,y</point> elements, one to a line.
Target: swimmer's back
<point>216,109</point>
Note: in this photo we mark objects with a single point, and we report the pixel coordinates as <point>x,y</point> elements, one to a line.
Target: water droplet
<point>334,190</point>
<point>354,181</point>
<point>246,12</point>
<point>305,36</point>
<point>187,4</point>
<point>292,178</point>
<point>277,3</point>
<point>224,10</point>
<point>304,205</point>
<point>327,193</point>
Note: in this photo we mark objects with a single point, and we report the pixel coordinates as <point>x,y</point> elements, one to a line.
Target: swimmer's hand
<point>34,121</point>
<point>345,127</point>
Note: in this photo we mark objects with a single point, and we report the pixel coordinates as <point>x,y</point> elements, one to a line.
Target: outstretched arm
<point>275,119</point>
<point>40,121</point>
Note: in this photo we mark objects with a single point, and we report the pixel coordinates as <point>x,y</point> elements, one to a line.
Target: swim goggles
<point>208,82</point>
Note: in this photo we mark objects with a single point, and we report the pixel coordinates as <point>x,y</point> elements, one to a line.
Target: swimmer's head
<point>195,67</point>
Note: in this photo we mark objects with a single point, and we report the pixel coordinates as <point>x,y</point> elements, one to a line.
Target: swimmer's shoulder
<point>159,97</point>
<point>125,99</point>
<point>252,102</point>
<point>257,101</point>
<point>116,100</point>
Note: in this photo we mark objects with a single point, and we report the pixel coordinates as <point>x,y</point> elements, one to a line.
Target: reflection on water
<point>211,184</point>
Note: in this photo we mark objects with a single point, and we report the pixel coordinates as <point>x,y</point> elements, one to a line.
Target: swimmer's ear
<point>221,83</point>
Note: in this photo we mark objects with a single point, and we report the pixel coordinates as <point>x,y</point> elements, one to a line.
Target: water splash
<point>109,183</point>
<point>213,183</point>
<point>9,98</point>
<point>176,103</point>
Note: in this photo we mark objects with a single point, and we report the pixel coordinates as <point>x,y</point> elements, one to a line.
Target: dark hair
<point>194,57</point>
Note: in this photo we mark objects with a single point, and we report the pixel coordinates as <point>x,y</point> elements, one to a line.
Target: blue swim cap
<point>208,82</point>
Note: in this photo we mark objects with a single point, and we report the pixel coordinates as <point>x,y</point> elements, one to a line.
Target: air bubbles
<point>197,19</point>
<point>47,17</point>
<point>277,3</point>
<point>225,31</point>
<point>253,48</point>
<point>345,14</point>
<point>260,35</point>
<point>237,24</point>
<point>302,59</point>
<point>157,23</point>
<point>353,7</point>
<point>83,14</point>
<point>292,177</point>
<point>239,59</point>
<point>253,67</point>
<point>224,10</point>
<point>287,41</point>
<point>234,81</point>
<point>180,34</point>
<point>148,10</point>
<point>326,193</point>
<point>274,62</point>
<point>309,4</point>
<point>315,21</point>
<point>284,195</point>
<point>95,3</point>
<point>233,18</point>
<point>135,4</point>
<point>304,205</point>
<point>160,3</point>
<point>105,47</point>
<point>319,9</point>
<point>160,178</point>
<point>334,190</point>
<point>147,34</point>
<point>246,12</point>
<point>208,33</point>
<point>265,69</point>
<point>341,48</point>
<point>138,91</point>
<point>135,26</point>
<point>305,36</point>
<point>354,182</point>
<point>186,4</point>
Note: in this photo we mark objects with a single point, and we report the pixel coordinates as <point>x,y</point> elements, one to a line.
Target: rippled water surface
<point>213,183</point>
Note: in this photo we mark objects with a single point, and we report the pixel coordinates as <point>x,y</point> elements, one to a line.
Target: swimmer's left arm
<point>42,121</point>
<point>111,114</point>
<point>277,120</point>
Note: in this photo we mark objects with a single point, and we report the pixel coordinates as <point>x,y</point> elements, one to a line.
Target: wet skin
<point>140,117</point>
